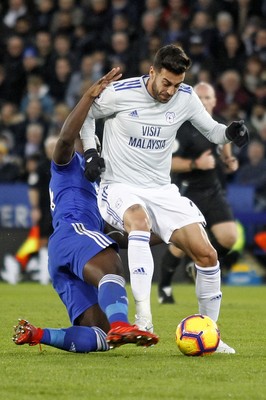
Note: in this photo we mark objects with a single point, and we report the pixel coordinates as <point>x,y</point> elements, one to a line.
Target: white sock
<point>141,266</point>
<point>208,290</point>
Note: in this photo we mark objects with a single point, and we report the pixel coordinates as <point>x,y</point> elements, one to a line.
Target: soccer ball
<point>197,335</point>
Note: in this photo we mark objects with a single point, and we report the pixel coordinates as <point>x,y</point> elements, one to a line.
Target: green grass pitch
<point>130,372</point>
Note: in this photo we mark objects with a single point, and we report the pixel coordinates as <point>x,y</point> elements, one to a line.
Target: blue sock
<point>79,339</point>
<point>112,298</point>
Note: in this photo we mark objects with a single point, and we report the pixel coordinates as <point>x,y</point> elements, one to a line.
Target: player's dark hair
<point>172,58</point>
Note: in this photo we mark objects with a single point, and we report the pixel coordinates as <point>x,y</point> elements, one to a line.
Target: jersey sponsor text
<point>148,144</point>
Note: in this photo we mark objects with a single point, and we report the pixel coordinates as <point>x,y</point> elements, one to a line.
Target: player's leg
<point>170,262</point>
<point>176,219</point>
<point>194,239</point>
<point>89,331</point>
<point>80,298</point>
<point>100,265</point>
<point>105,271</point>
<point>182,225</point>
<point>90,324</point>
<point>91,263</point>
<point>140,262</point>
<point>222,234</point>
<point>78,339</point>
<point>124,210</point>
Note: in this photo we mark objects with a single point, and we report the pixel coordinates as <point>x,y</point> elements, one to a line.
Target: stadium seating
<point>242,200</point>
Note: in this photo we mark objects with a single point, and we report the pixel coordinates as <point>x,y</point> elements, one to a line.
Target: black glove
<point>237,132</point>
<point>94,165</point>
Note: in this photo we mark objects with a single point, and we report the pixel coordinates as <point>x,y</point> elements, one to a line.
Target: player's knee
<point>207,257</point>
<point>136,219</point>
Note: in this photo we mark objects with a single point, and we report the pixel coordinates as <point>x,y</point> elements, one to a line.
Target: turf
<point>130,372</point>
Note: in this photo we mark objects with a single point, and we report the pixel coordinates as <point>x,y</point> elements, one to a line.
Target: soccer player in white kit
<point>142,115</point>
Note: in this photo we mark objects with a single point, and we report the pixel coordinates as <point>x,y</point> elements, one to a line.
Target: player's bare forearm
<point>72,125</point>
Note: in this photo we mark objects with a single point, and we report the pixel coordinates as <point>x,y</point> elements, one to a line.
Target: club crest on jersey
<point>170,117</point>
<point>118,203</point>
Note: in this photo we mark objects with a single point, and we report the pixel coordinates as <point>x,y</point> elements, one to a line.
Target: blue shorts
<point>70,247</point>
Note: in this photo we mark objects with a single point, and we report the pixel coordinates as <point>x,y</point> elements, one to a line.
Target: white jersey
<point>139,131</point>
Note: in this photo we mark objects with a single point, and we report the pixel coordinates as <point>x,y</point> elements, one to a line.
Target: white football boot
<point>144,324</point>
<point>224,348</point>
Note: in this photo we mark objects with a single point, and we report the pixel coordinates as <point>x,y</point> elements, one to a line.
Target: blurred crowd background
<point>51,51</point>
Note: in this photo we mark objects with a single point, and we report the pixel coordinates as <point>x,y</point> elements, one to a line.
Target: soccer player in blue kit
<point>84,265</point>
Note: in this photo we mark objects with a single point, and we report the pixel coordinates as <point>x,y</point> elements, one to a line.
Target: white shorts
<point>167,209</point>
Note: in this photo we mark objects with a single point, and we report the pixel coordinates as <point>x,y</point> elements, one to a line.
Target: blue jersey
<point>78,235</point>
<point>72,197</point>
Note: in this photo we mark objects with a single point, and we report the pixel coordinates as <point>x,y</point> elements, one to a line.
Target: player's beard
<point>162,96</point>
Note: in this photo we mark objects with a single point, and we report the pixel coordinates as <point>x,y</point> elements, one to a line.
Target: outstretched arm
<point>72,125</point>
